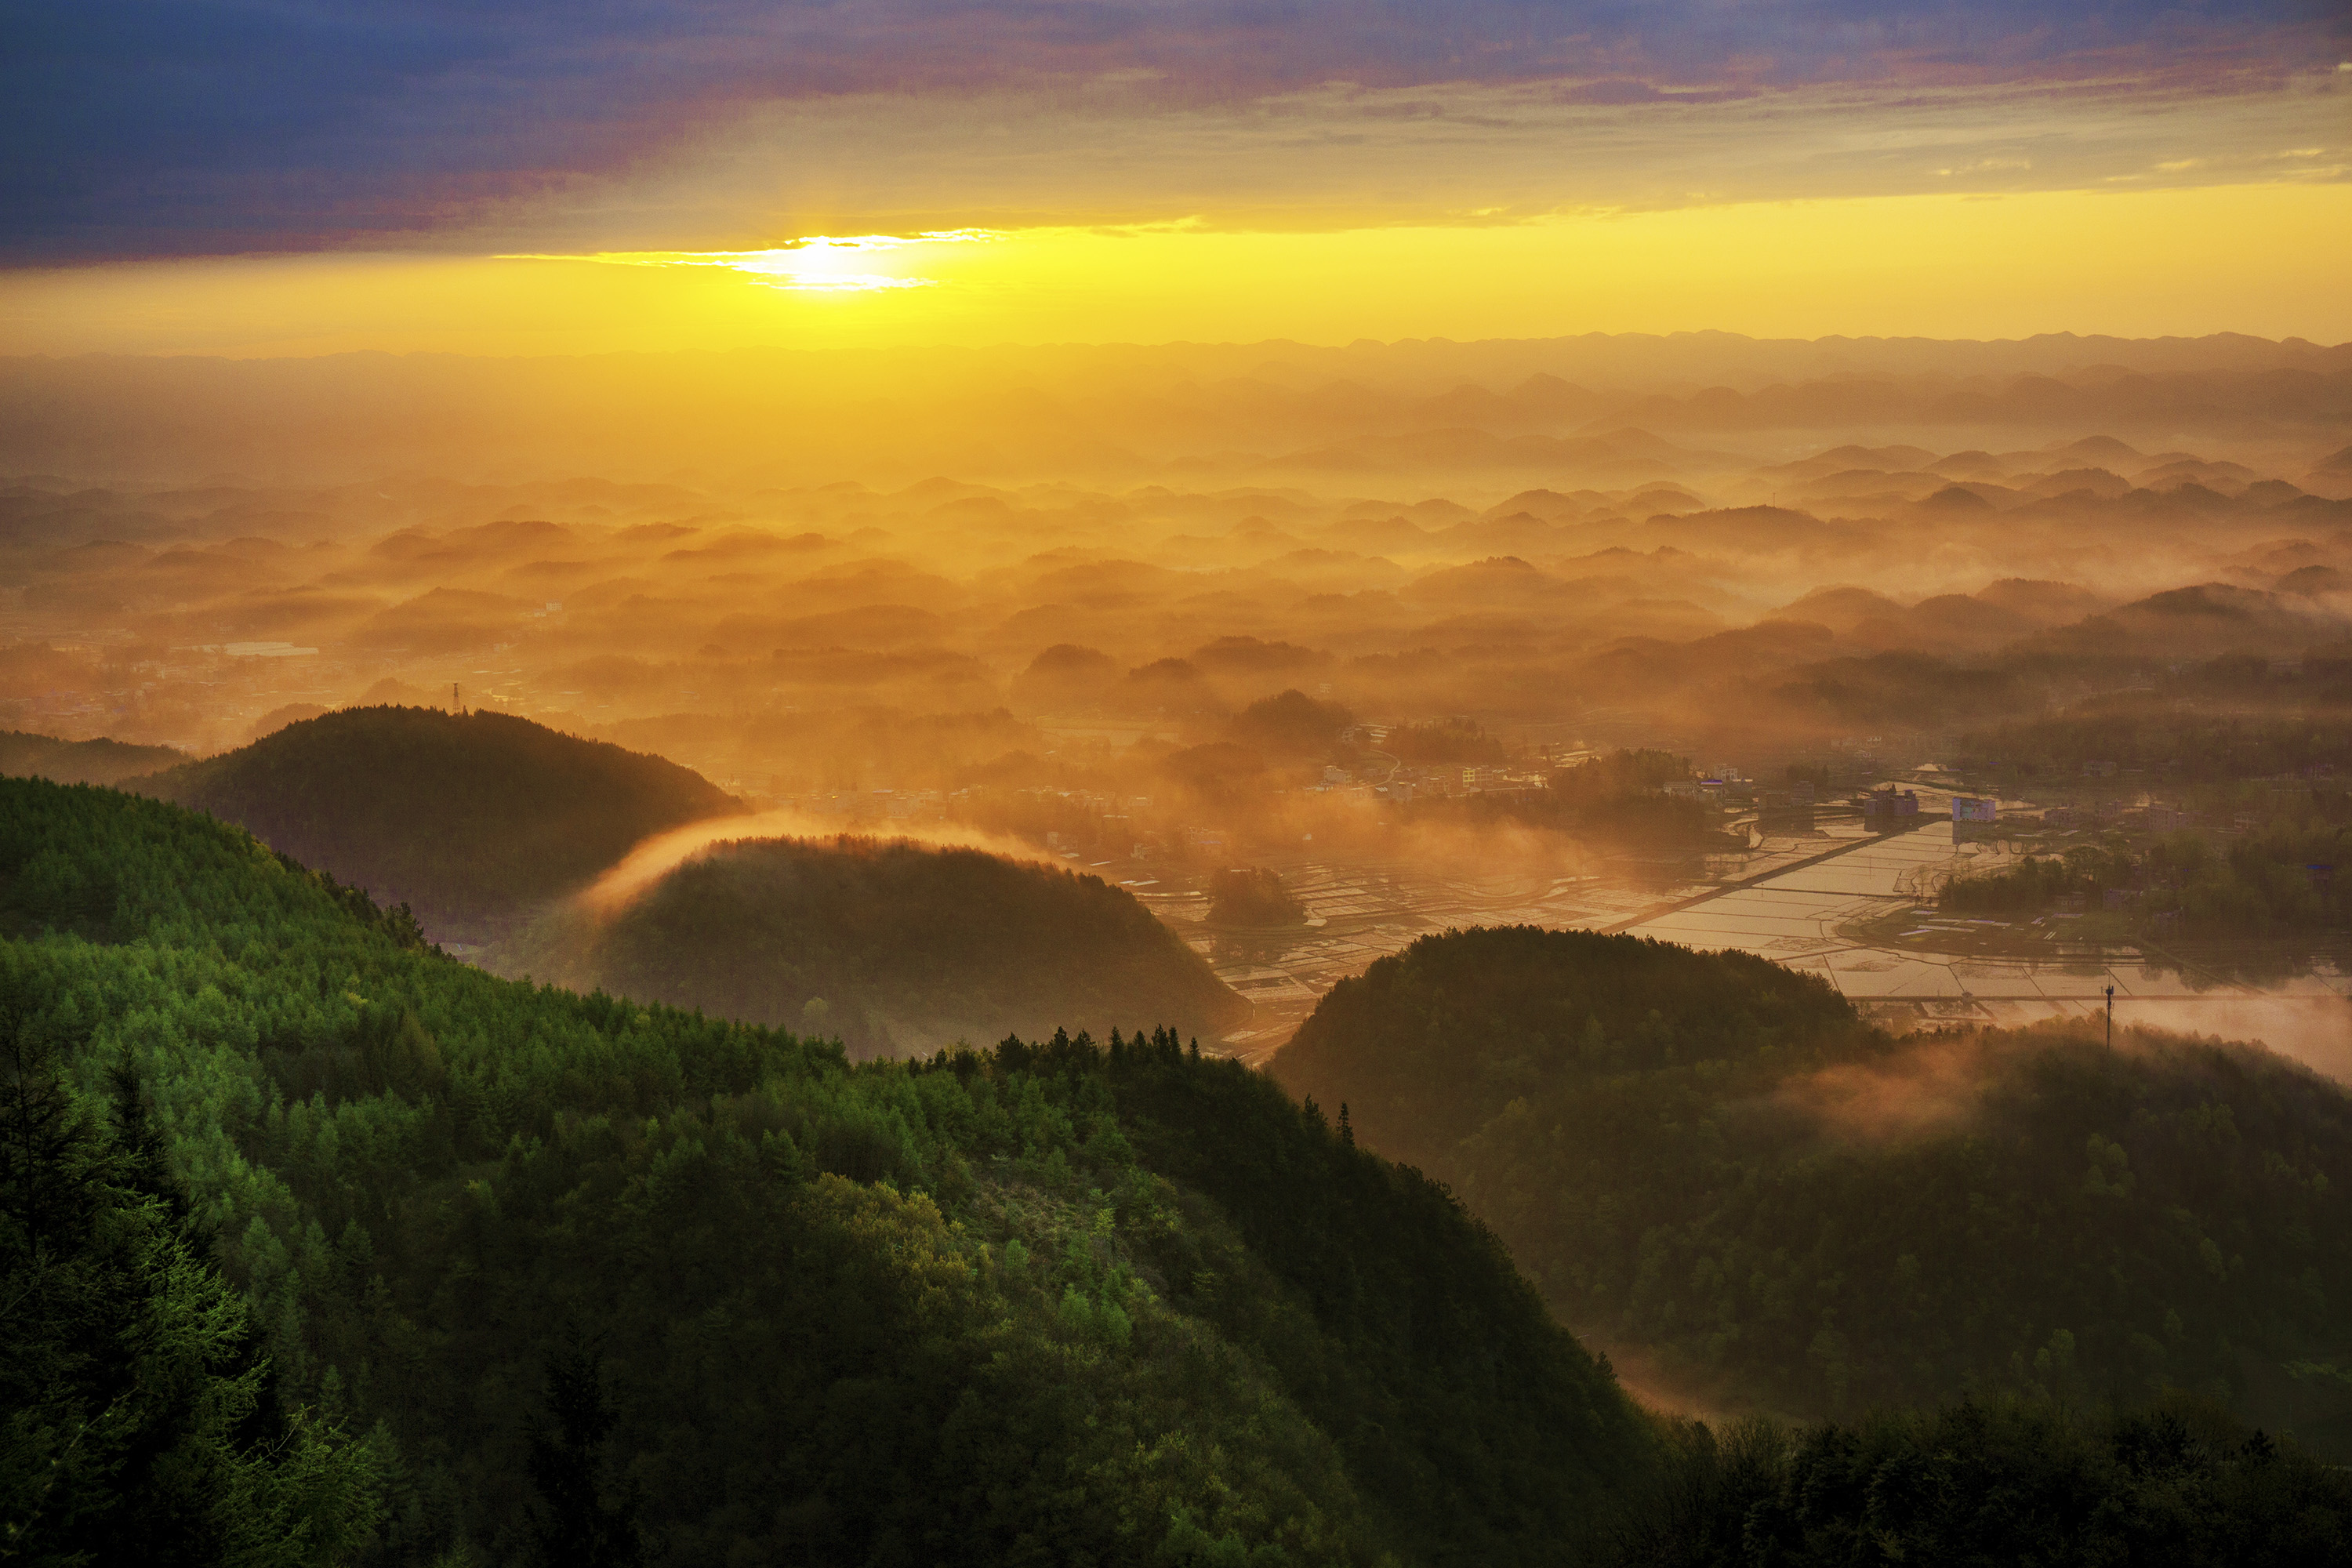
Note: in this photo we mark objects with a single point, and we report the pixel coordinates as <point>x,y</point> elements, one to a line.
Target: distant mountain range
<point>1059,412</point>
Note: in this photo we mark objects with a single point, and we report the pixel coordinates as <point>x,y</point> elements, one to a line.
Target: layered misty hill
<point>98,761</point>
<point>940,639</point>
<point>894,948</point>
<point>487,827</point>
<point>471,819</point>
<point>910,645</point>
<point>1711,1166</point>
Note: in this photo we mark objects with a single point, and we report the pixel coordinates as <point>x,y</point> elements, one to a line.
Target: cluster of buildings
<point>1723,786</point>
<point>1889,810</point>
<point>1426,783</point>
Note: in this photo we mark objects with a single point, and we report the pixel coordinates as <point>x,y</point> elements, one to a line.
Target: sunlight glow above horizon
<point>2258,259</point>
<point>814,263</point>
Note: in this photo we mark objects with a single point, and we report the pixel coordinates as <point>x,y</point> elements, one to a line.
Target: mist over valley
<point>1401,682</point>
<point>1431,952</point>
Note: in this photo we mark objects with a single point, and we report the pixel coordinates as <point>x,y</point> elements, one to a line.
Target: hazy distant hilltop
<point>1181,413</point>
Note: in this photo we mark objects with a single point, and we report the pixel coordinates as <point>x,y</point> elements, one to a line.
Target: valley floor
<point>1857,919</point>
<point>1834,899</point>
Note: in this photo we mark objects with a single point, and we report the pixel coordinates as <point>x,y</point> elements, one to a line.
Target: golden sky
<point>1178,171</point>
<point>2263,259</point>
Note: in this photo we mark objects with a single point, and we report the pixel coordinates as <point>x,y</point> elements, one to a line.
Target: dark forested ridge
<point>889,946</point>
<point>99,761</point>
<point>552,1278</point>
<point>2275,882</point>
<point>1431,1044</point>
<point>468,818</point>
<point>1709,1159</point>
<point>2001,1481</point>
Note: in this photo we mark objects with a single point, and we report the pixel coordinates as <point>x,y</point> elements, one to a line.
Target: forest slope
<point>1709,1159</point>
<point>468,818</point>
<point>892,947</point>
<point>574,1265</point>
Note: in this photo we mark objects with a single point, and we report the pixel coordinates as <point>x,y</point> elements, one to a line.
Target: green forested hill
<point>468,818</point>
<point>580,1280</point>
<point>890,946</point>
<point>1433,1044</point>
<point>1708,1159</point>
<point>99,761</point>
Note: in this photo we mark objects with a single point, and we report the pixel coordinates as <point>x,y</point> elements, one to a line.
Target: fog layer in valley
<point>1691,804</point>
<point>1437,633</point>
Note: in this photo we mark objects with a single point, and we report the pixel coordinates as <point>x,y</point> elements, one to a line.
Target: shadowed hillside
<point>470,819</point>
<point>890,946</point>
<point>1708,1160</point>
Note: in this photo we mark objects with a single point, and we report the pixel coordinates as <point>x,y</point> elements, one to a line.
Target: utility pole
<point>2111,1017</point>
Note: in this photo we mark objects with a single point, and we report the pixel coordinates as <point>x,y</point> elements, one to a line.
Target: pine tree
<point>131,1419</point>
<point>580,1526</point>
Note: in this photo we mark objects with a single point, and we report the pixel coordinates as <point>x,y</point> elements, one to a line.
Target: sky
<point>290,176</point>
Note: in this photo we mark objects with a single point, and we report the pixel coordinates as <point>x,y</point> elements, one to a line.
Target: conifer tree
<point>132,1419</point>
<point>583,1522</point>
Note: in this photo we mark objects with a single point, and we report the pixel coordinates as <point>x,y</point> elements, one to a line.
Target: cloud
<point>1612,90</point>
<point>161,127</point>
<point>1342,157</point>
<point>652,859</point>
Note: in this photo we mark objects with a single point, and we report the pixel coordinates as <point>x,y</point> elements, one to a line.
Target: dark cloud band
<point>147,127</point>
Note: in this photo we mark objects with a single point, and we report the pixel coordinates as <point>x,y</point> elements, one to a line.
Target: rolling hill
<point>1708,1164</point>
<point>470,819</point>
<point>892,947</point>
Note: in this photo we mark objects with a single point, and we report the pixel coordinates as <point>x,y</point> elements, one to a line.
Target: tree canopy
<point>586,1271</point>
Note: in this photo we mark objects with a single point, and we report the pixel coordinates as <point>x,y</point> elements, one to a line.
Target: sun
<point>814,263</point>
